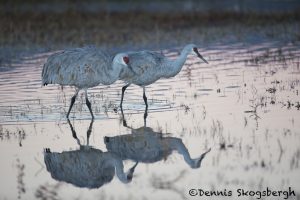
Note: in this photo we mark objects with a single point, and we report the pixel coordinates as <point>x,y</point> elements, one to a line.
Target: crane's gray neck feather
<point>173,67</point>
<point>119,168</point>
<point>176,144</point>
<point>115,70</point>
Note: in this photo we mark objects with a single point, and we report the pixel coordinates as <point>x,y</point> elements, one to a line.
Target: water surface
<point>244,105</point>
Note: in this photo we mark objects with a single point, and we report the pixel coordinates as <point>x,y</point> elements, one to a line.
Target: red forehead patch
<point>126,59</point>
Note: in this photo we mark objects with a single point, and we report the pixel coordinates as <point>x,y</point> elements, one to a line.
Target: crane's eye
<point>126,59</point>
<point>195,49</point>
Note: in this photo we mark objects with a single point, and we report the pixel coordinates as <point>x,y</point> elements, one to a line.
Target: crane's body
<point>83,68</point>
<point>152,66</point>
<point>147,146</point>
<point>87,166</point>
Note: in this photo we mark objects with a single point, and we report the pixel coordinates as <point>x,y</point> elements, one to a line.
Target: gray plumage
<point>83,68</point>
<point>148,146</point>
<point>87,167</point>
<point>152,66</point>
<point>82,168</point>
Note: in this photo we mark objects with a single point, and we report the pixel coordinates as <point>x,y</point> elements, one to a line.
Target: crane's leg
<point>72,129</point>
<point>176,144</point>
<point>73,132</point>
<point>72,102</point>
<point>88,133</point>
<point>145,117</point>
<point>123,91</point>
<point>145,98</point>
<point>123,118</point>
<point>88,103</point>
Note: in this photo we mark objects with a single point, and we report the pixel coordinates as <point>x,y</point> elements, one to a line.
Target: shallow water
<point>244,105</point>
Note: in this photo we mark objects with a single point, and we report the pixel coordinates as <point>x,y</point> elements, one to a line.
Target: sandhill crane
<point>153,66</point>
<point>83,68</point>
<point>86,167</point>
<point>148,146</point>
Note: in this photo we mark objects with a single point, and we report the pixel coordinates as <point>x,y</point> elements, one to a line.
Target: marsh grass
<point>48,191</point>
<point>25,33</point>
<point>7,135</point>
<point>111,29</point>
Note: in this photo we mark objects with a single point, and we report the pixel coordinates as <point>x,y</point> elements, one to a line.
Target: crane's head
<point>129,174</point>
<point>194,50</point>
<point>122,59</point>
<point>196,163</point>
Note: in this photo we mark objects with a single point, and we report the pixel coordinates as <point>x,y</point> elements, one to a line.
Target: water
<point>244,105</point>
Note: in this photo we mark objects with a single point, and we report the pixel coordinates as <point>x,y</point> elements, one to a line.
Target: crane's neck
<point>177,145</point>
<point>173,67</point>
<point>117,162</point>
<point>115,70</point>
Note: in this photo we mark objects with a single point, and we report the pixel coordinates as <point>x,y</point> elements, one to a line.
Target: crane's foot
<point>47,150</point>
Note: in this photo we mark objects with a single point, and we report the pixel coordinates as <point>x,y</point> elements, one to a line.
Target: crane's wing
<point>79,67</point>
<point>141,62</point>
<point>83,168</point>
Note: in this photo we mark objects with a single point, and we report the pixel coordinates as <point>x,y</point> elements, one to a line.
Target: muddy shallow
<point>244,105</point>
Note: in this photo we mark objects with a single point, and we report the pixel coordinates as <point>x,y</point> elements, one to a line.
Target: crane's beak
<point>131,171</point>
<point>200,56</point>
